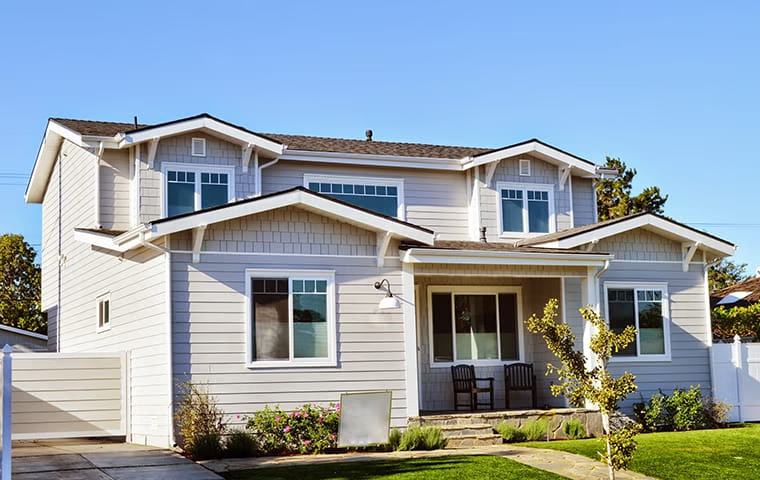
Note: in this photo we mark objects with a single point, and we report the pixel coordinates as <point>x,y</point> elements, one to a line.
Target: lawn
<point>441,468</point>
<point>703,454</point>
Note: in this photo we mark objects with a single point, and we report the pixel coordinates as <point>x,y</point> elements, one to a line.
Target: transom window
<point>474,326</point>
<point>292,318</point>
<point>526,208</point>
<point>380,195</point>
<point>193,187</point>
<point>645,307</point>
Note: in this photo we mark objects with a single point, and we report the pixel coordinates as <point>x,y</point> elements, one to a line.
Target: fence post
<point>7,411</point>
<point>738,361</point>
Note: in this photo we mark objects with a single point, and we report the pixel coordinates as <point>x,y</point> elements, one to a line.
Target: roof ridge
<point>96,121</point>
<point>375,141</point>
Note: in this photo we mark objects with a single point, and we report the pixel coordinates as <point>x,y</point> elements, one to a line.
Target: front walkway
<point>99,459</point>
<point>566,464</point>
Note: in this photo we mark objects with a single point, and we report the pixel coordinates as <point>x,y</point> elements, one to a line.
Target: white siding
<point>114,190</point>
<point>49,256</point>
<point>136,282</point>
<point>435,200</point>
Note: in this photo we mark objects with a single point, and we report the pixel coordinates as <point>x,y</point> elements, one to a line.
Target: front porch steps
<point>470,435</point>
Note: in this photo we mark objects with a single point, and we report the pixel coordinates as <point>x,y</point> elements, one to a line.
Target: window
<point>474,325</point>
<point>104,312</point>
<point>191,187</point>
<point>526,208</point>
<point>198,147</point>
<point>524,168</point>
<point>292,318</point>
<point>645,307</point>
<point>384,196</point>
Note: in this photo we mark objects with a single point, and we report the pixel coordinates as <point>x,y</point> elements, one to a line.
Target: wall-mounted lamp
<point>389,301</point>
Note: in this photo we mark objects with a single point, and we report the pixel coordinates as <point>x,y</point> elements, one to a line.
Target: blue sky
<point>670,87</point>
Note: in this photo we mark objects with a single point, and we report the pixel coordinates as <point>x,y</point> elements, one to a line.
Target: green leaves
<point>19,285</point>
<point>614,194</point>
<point>742,321</point>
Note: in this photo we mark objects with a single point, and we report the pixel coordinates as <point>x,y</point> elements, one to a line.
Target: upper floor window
<point>198,147</point>
<point>381,195</point>
<point>190,187</point>
<point>644,307</point>
<point>526,208</point>
<point>104,312</point>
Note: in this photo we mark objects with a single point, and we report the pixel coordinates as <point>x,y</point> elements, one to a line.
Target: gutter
<point>169,330</point>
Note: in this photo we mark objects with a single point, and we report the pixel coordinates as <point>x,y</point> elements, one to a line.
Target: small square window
<point>198,147</point>
<point>104,312</point>
<point>525,168</point>
<point>359,189</point>
<point>314,186</point>
<point>336,188</point>
<point>172,176</point>
<point>393,191</point>
<point>191,177</point>
<point>324,187</point>
<point>369,189</point>
<point>204,177</point>
<point>380,190</point>
<point>348,189</point>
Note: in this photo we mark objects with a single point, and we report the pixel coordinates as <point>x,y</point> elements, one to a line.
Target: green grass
<point>703,454</point>
<point>440,468</point>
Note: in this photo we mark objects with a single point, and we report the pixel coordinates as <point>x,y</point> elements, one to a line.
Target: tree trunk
<point>607,433</point>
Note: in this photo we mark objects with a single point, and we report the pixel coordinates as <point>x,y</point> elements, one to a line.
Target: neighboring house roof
<point>575,237</point>
<point>296,196</point>
<point>117,135</point>
<point>20,331</point>
<point>737,291</point>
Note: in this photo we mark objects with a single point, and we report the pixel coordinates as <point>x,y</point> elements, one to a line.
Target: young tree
<point>725,274</point>
<point>580,382</point>
<point>19,285</point>
<point>613,195</point>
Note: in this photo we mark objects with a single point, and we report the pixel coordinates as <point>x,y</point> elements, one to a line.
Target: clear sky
<point>670,87</point>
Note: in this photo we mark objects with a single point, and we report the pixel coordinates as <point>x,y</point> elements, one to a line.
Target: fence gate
<point>736,377</point>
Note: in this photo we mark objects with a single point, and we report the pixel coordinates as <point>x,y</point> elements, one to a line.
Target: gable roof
<point>661,225</point>
<point>96,128</point>
<point>751,286</point>
<point>297,196</point>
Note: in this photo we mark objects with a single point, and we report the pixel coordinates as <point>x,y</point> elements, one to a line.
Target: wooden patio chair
<point>519,377</point>
<point>464,380</point>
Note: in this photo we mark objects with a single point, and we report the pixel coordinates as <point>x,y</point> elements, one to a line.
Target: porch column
<point>590,294</point>
<point>410,339</point>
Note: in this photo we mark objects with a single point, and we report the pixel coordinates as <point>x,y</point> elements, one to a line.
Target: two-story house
<point>249,261</point>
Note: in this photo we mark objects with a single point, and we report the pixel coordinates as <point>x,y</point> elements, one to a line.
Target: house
<point>23,340</point>
<point>740,294</point>
<point>248,261</point>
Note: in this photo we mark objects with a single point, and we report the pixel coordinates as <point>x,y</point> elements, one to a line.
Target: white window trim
<point>484,290</point>
<point>663,287</point>
<point>520,163</point>
<point>543,187</point>
<point>192,147</point>
<point>329,275</point>
<point>196,168</point>
<point>104,297</point>
<point>383,181</point>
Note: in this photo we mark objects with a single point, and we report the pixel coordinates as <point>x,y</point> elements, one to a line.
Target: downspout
<point>60,255</point>
<point>259,171</point>
<point>169,330</point>
<point>97,185</point>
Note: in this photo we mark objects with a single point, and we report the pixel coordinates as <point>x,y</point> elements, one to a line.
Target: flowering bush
<point>307,429</point>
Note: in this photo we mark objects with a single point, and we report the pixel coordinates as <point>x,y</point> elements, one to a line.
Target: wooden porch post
<point>410,339</point>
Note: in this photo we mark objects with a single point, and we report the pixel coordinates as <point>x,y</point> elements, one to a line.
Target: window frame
<point>475,290</point>
<point>197,169</point>
<point>520,163</point>
<point>524,187</point>
<point>381,181</point>
<point>192,147</point>
<point>290,274</point>
<point>99,301</point>
<point>666,319</point>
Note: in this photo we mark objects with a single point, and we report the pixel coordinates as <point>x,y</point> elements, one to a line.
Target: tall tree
<point>19,285</point>
<point>725,274</point>
<point>613,195</point>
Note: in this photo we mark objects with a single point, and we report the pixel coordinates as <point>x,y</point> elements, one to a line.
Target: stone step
<point>450,431</point>
<point>466,441</point>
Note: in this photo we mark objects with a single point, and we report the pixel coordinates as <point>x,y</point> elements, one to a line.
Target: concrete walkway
<point>565,464</point>
<point>98,459</point>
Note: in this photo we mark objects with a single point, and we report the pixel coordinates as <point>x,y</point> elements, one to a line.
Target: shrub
<point>742,321</point>
<point>240,444</point>
<point>201,422</point>
<point>683,410</point>
<point>422,438</point>
<point>716,412</point>
<point>510,433</point>
<point>394,439</point>
<point>307,429</point>
<point>574,429</point>
<point>535,430</point>
<point>652,415</point>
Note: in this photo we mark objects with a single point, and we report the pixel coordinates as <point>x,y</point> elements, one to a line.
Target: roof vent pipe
<point>368,133</point>
<point>483,235</point>
<point>135,121</point>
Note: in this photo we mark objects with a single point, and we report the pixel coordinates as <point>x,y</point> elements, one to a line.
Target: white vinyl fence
<point>60,395</point>
<point>736,378</point>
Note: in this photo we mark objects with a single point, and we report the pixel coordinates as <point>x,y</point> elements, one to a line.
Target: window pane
<point>538,216</point>
<point>651,334</point>
<point>508,326</point>
<point>475,321</point>
<point>621,313</point>
<point>442,340</point>
<point>180,198</point>
<point>213,195</point>
<point>383,205</point>
<point>512,215</point>
<point>314,186</point>
<point>309,325</point>
<point>204,177</point>
<point>270,326</point>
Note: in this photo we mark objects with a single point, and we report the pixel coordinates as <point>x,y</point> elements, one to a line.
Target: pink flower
<point>307,442</point>
<point>298,414</point>
<point>321,420</point>
<point>238,417</point>
<point>286,429</point>
<point>278,419</point>
<point>333,436</point>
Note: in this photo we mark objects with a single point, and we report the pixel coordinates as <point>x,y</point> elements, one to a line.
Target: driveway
<point>99,459</point>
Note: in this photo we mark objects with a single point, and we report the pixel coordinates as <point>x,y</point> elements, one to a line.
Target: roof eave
<point>532,147</point>
<point>491,257</point>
